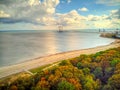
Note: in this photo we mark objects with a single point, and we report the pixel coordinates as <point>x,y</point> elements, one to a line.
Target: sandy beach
<point>40,61</point>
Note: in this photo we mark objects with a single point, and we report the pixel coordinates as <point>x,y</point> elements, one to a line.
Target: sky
<point>49,14</point>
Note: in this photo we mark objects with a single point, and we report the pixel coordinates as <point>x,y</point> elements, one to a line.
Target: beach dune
<point>37,62</point>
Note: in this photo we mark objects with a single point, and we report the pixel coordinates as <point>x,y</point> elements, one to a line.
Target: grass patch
<point>38,69</point>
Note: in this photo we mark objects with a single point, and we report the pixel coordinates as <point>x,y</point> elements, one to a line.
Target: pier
<point>60,27</point>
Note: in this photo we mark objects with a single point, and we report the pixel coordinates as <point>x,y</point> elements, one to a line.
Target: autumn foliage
<point>100,71</point>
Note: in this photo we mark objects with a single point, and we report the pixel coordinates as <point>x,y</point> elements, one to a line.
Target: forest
<point>100,71</point>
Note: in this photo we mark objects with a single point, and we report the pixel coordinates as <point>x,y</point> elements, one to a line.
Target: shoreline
<point>50,59</point>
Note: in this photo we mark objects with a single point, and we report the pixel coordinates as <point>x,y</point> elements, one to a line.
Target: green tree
<point>107,87</point>
<point>86,71</point>
<point>64,85</point>
<point>98,72</point>
<point>114,81</point>
<point>114,62</point>
<point>90,84</point>
<point>82,57</point>
<point>64,62</point>
<point>79,65</point>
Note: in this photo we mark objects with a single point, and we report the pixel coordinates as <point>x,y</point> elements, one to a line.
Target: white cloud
<point>68,1</point>
<point>105,21</point>
<point>3,14</point>
<point>113,11</point>
<point>103,24</point>
<point>96,18</point>
<point>109,3</point>
<point>43,15</point>
<point>84,9</point>
<point>46,20</point>
<point>33,2</point>
<point>29,10</point>
<point>72,19</point>
<point>108,21</point>
<point>114,23</point>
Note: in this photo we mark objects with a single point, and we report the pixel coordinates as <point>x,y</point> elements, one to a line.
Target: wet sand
<point>40,61</point>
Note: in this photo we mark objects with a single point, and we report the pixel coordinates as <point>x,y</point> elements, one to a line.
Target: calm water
<point>19,46</point>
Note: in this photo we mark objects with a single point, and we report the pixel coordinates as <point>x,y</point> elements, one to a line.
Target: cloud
<point>97,18</point>
<point>109,3</point>
<point>103,24</point>
<point>115,14</point>
<point>112,20</point>
<point>42,15</point>
<point>108,21</point>
<point>17,26</point>
<point>3,14</point>
<point>68,1</point>
<point>46,20</point>
<point>33,2</point>
<point>84,9</point>
<point>71,19</point>
<point>28,10</point>
<point>114,23</point>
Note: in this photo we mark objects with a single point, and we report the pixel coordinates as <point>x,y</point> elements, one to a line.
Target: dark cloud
<point>115,14</point>
<point>10,2</point>
<point>5,2</point>
<point>118,14</point>
<point>109,2</point>
<point>11,20</point>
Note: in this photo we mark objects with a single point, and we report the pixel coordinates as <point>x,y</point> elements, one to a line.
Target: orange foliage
<point>43,83</point>
<point>13,87</point>
<point>75,83</point>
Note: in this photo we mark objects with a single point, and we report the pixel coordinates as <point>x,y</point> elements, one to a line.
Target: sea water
<point>19,46</point>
